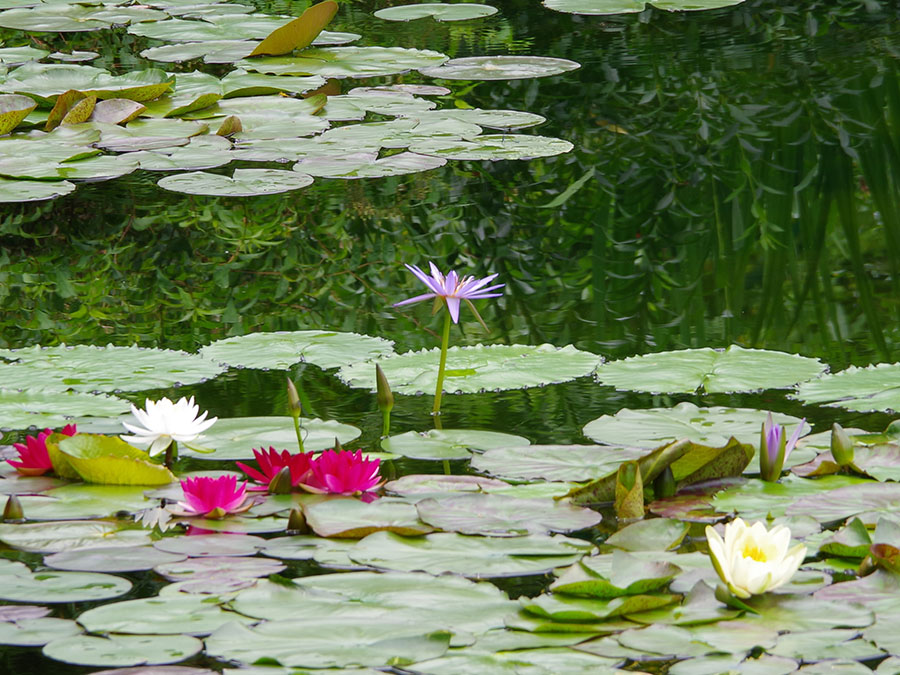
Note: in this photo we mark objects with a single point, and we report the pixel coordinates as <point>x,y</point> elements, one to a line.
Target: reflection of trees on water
<point>744,188</point>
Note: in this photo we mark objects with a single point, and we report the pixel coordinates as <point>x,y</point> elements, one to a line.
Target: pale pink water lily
<point>751,560</point>
<point>213,497</point>
<point>163,422</point>
<point>452,289</point>
<point>343,472</point>
<point>34,459</point>
<point>271,462</point>
<point>774,449</point>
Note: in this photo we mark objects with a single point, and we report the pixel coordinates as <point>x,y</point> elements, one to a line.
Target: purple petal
<point>425,279</point>
<point>453,308</point>
<point>418,298</point>
<point>793,439</point>
<point>471,285</point>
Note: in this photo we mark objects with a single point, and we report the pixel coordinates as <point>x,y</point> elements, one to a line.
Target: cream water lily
<point>751,559</point>
<point>164,424</point>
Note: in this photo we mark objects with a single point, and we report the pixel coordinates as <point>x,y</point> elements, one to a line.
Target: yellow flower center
<point>753,551</point>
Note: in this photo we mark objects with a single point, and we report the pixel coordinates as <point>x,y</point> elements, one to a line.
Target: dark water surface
<point>739,174</point>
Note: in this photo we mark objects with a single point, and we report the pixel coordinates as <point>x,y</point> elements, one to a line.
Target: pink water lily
<point>343,472</point>
<point>271,462</point>
<point>34,460</point>
<point>213,497</point>
<point>451,289</point>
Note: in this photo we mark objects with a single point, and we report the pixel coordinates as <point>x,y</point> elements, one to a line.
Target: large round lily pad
<point>123,650</point>
<point>605,7</point>
<point>709,370</point>
<point>554,462</point>
<point>440,11</point>
<point>440,444</point>
<point>243,183</point>
<point>121,559</point>
<point>500,68</point>
<point>342,62</point>
<point>283,349</point>
<point>862,389</point>
<point>35,408</point>
<point>476,369</point>
<point>68,535</point>
<point>493,147</point>
<point>12,190</point>
<point>56,587</point>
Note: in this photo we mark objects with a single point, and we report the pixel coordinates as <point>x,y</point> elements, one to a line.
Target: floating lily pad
<point>241,83</point>
<point>55,587</point>
<point>123,650</point>
<point>492,119</point>
<point>122,559</point>
<point>866,501</point>
<point>211,545</point>
<point>14,56</point>
<point>87,368</point>
<point>13,109</point>
<point>75,56</point>
<point>212,570</point>
<point>862,389</point>
<point>709,370</point>
<point>354,519</point>
<point>500,68</point>
<point>497,515</point>
<point>69,535</point>
<point>476,369</point>
<point>606,7</point>
<point>440,11</point>
<point>429,485</point>
<point>221,27</point>
<point>282,350</point>
<point>57,17</point>
<point>654,426</point>
<point>45,81</point>
<point>298,33</point>
<point>448,443</point>
<point>493,147</point>
<point>21,410</point>
<point>235,437</point>
<point>474,557</point>
<point>554,462</point>
<point>342,62</point>
<point>244,183</point>
<point>37,632</point>
<point>80,501</point>
<point>758,499</point>
<point>12,191</point>
<point>622,574</point>
<point>367,165</point>
<point>203,152</point>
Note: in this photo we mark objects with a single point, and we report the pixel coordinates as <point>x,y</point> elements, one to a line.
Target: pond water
<point>733,180</point>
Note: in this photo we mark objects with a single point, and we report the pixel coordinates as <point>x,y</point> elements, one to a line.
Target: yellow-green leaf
<point>63,105</point>
<point>14,109</point>
<point>231,125</point>
<point>299,33</point>
<point>109,460</point>
<point>81,111</point>
<point>629,503</point>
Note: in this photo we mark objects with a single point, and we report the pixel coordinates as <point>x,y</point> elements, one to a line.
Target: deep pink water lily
<point>343,472</point>
<point>452,289</point>
<point>34,460</point>
<point>774,449</point>
<point>271,462</point>
<point>213,497</point>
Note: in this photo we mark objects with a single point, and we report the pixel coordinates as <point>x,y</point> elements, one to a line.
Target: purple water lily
<point>452,289</point>
<point>773,449</point>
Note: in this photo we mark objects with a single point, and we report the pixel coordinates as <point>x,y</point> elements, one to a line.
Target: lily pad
<point>440,11</point>
<point>123,650</point>
<point>554,462</point>
<point>56,587</point>
<point>354,519</point>
<point>476,369</point>
<point>57,17</point>
<point>873,388</point>
<point>211,545</point>
<point>709,426</point>
<point>298,33</point>
<point>121,559</point>
<point>709,370</point>
<point>36,632</point>
<point>606,7</point>
<point>448,443</point>
<point>235,437</point>
<point>343,62</point>
<point>21,410</point>
<point>12,191</point>
<point>13,109</point>
<point>493,147</point>
<point>244,183</point>
<point>429,484</point>
<point>281,350</point>
<point>367,165</point>
<point>500,68</point>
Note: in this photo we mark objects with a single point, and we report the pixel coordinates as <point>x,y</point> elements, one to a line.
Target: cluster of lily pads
<point>409,562</point>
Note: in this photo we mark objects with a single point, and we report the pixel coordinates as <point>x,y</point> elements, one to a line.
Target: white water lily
<point>751,559</point>
<point>164,422</point>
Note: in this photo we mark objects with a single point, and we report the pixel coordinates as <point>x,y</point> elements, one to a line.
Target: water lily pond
<point>449,338</point>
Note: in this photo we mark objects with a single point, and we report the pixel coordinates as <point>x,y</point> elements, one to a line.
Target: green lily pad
<point>36,632</point>
<point>160,615</point>
<point>709,426</point>
<point>873,388</point>
<point>298,33</point>
<point>500,68</point>
<point>235,437</point>
<point>658,534</point>
<point>123,650</point>
<point>211,545</point>
<point>506,120</point>
<point>16,56</point>
<point>74,56</point>
<point>429,485</point>
<point>354,519</point>
<point>281,350</point>
<point>121,559</point>
<point>69,535</point>
<point>24,409</point>
<point>562,608</point>
<point>493,147</point>
<point>211,570</point>
<point>475,369</point>
<point>45,81</point>
<point>709,370</point>
<point>221,27</point>
<point>448,443</point>
<point>397,133</point>
<point>367,165</point>
<point>57,17</point>
<point>439,11</point>
<point>80,501</point>
<point>244,183</point>
<point>554,462</point>
<point>54,587</point>
<point>343,62</point>
<point>606,7</point>
<point>12,191</point>
<point>474,557</point>
<point>755,499</point>
<point>203,152</point>
<point>241,83</point>
<point>866,501</point>
<point>497,515</point>
<point>625,575</point>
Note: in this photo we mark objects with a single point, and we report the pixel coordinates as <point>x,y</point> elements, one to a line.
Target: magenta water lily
<point>774,449</point>
<point>343,472</point>
<point>213,497</point>
<point>450,290</point>
<point>34,459</point>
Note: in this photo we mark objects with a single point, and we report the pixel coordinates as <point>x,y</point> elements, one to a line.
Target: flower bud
<point>12,512</point>
<point>281,482</point>
<point>384,396</point>
<point>293,399</point>
<point>297,522</point>
<point>664,484</point>
<point>841,445</point>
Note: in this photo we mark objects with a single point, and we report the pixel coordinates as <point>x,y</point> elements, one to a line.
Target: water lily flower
<point>343,472</point>
<point>34,460</point>
<point>773,449</point>
<point>271,462</point>
<point>164,423</point>
<point>213,497</point>
<point>451,289</point>
<point>752,560</point>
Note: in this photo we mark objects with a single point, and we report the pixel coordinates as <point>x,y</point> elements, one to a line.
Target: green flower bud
<point>281,482</point>
<point>293,399</point>
<point>297,522</point>
<point>12,512</point>
<point>841,445</point>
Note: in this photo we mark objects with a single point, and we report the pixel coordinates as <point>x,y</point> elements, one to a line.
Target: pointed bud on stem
<point>12,512</point>
<point>297,522</point>
<point>664,484</point>
<point>281,482</point>
<point>841,445</point>
<point>385,399</point>
<point>295,410</point>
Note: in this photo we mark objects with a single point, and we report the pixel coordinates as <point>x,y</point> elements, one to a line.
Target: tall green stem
<point>299,432</point>
<point>445,341</point>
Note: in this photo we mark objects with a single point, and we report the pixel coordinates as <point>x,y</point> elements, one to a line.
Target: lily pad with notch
<point>493,147</point>
<point>608,7</point>
<point>439,11</point>
<point>123,650</point>
<point>500,68</point>
<point>445,444</point>
<point>873,388</point>
<point>243,183</point>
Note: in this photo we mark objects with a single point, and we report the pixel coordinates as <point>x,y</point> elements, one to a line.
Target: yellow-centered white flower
<point>751,559</point>
<point>163,422</point>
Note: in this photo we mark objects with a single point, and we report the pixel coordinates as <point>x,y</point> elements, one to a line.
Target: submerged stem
<point>445,341</point>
